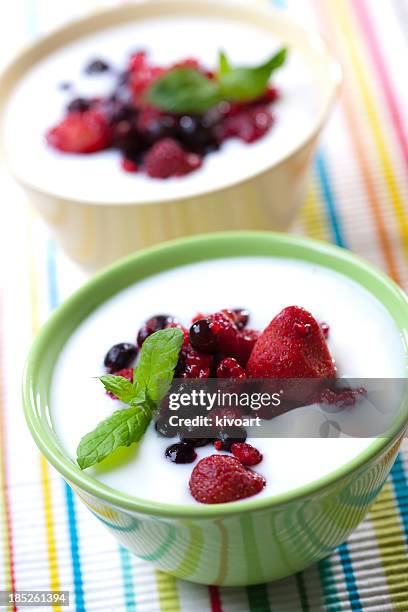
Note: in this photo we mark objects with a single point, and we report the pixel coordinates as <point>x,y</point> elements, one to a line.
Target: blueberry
<point>120,356</point>
<point>97,66</point>
<point>181,452</point>
<point>153,325</point>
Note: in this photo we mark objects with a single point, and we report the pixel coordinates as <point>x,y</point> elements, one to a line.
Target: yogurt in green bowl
<point>317,490</point>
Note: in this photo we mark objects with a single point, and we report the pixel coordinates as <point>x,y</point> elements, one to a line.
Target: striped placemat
<point>357,198</point>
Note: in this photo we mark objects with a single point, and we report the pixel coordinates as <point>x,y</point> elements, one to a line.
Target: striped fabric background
<point>357,198</point>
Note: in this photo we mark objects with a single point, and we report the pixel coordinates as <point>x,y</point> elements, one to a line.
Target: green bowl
<point>245,542</point>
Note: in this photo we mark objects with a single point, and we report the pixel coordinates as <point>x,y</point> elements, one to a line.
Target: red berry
<point>166,158</point>
<point>246,454</point>
<point>226,332</point>
<point>81,132</point>
<point>193,364</point>
<point>343,397</point>
<point>129,165</point>
<point>126,373</point>
<point>221,478</point>
<point>246,339</point>
<point>230,368</point>
<point>218,445</point>
<point>293,346</point>
<point>248,125</point>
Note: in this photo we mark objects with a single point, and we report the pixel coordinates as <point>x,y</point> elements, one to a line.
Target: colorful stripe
<point>70,502</point>
<point>362,14</point>
<point>5,510</point>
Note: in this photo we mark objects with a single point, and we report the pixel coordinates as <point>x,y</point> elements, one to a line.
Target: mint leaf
<point>122,428</point>
<point>242,83</point>
<point>184,90</point>
<point>157,361</point>
<point>187,90</point>
<point>223,64</point>
<point>151,379</point>
<point>121,387</point>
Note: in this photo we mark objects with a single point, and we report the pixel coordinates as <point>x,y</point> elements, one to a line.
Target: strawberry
<point>167,158</point>
<point>293,346</point>
<point>81,132</point>
<point>246,453</point>
<point>221,478</point>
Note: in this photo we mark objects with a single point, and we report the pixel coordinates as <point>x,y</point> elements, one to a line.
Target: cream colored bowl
<point>98,232</point>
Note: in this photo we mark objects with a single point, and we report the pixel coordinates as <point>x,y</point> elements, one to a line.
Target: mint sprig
<point>151,381</point>
<point>187,90</point>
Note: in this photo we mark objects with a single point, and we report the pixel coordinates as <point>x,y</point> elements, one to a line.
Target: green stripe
<point>257,595</point>
<point>258,598</point>
<point>302,592</point>
<point>168,592</point>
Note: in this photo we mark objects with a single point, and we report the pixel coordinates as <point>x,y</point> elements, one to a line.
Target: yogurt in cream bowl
<point>100,212</point>
<point>315,491</point>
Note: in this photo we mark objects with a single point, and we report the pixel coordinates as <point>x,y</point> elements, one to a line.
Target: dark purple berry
<point>120,356</point>
<point>97,66</point>
<point>153,325</point>
<point>79,105</point>
<point>202,337</point>
<point>229,436</point>
<point>65,85</point>
<point>194,135</point>
<point>181,452</point>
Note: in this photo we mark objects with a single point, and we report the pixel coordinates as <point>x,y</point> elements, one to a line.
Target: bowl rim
<point>181,252</point>
<point>96,22</point>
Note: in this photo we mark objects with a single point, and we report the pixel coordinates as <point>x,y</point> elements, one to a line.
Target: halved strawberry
<point>81,132</point>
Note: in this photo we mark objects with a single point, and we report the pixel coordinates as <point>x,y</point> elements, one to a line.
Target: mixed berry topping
<point>156,131</point>
<point>221,346</point>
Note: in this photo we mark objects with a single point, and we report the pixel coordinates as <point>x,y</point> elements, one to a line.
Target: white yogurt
<point>37,104</point>
<point>364,341</point>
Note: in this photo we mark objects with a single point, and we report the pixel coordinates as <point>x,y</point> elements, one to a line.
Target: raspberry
<point>230,368</point>
<point>221,478</point>
<point>126,373</point>
<point>81,132</point>
<point>246,454</point>
<point>248,125</point>
<point>193,364</point>
<point>226,332</point>
<point>167,158</point>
